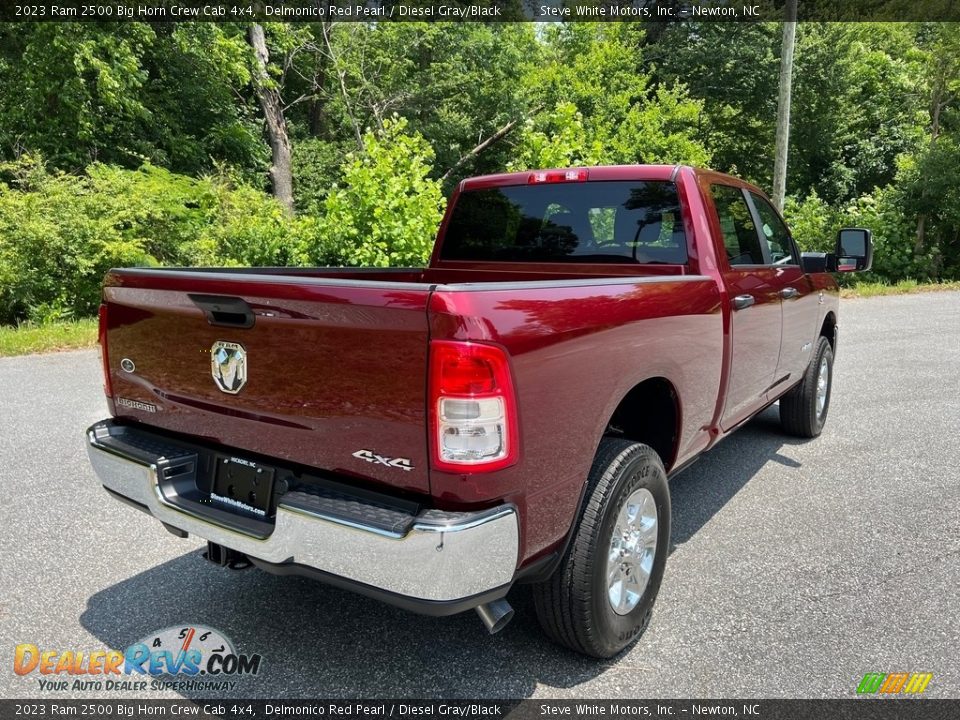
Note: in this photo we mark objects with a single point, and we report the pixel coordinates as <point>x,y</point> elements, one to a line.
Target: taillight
<point>473,411</point>
<point>558,176</point>
<point>102,337</point>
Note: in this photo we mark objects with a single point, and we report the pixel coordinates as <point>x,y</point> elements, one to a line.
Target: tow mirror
<point>854,252</point>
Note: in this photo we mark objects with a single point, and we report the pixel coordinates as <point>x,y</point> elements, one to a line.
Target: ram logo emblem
<point>228,365</point>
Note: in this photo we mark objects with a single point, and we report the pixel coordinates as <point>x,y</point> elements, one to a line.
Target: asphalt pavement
<point>797,566</point>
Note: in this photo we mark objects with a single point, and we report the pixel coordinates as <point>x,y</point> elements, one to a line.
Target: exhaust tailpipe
<point>495,615</point>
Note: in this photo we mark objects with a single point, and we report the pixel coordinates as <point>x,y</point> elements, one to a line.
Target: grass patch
<point>63,335</point>
<point>901,288</point>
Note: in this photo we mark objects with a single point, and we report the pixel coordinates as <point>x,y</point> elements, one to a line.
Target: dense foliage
<point>138,143</point>
<point>385,210</point>
<point>59,233</point>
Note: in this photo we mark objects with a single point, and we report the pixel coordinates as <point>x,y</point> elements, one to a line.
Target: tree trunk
<point>935,109</point>
<point>281,168</point>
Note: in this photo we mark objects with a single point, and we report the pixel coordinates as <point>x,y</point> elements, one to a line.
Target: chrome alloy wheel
<point>633,548</point>
<point>823,385</point>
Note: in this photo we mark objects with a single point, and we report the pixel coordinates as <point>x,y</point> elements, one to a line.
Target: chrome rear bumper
<point>443,557</point>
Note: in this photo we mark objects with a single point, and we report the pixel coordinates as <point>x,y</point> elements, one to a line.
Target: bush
<point>893,236</point>
<point>387,210</point>
<point>53,249</point>
<point>814,224</point>
<point>316,168</point>
<point>60,233</point>
<point>152,208</point>
<point>248,227</point>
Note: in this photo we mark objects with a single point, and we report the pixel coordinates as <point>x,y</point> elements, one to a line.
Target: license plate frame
<point>243,486</point>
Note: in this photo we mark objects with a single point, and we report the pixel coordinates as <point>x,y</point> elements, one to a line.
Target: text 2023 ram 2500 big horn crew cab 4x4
<point>510,413</point>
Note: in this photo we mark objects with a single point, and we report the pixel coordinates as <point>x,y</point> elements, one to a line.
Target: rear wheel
<point>803,410</point>
<point>600,599</point>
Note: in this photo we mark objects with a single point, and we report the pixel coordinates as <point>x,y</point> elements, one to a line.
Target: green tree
<point>455,83</point>
<point>177,95</point>
<point>386,210</point>
<point>732,69</point>
<point>930,177</point>
<point>75,92</point>
<point>599,108</point>
<point>200,96</point>
<point>855,99</point>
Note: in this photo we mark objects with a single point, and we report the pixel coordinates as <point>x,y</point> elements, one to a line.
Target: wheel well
<point>649,414</point>
<point>829,329</point>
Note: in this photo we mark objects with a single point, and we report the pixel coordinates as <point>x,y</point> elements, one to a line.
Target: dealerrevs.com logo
<point>186,657</point>
<point>894,683</point>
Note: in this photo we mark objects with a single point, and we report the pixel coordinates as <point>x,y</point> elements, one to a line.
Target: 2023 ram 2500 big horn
<point>511,413</point>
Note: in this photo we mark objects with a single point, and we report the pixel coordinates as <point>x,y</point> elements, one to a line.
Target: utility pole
<point>783,105</point>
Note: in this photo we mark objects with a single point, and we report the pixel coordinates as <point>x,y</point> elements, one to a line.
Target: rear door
<point>326,373</point>
<point>754,289</point>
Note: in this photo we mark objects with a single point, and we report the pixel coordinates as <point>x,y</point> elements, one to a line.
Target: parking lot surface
<point>797,566</point>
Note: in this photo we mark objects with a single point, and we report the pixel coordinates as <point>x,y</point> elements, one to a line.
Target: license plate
<point>243,486</point>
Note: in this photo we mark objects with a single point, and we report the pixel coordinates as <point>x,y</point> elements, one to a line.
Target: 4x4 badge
<point>372,457</point>
<point>228,365</point>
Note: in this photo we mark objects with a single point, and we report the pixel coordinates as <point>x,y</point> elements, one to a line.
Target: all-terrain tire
<point>801,413</point>
<point>573,605</point>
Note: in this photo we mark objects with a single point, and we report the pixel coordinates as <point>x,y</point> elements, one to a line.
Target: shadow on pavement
<point>317,641</point>
<point>703,489</point>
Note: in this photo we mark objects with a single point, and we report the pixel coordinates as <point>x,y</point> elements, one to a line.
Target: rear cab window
<point>591,222</point>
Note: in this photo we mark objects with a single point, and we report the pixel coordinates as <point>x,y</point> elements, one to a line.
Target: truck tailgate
<point>329,373</point>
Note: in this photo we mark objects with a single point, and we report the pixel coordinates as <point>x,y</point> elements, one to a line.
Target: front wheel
<point>803,410</point>
<point>600,599</point>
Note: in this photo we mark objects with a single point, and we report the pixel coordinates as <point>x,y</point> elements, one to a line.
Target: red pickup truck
<point>508,414</point>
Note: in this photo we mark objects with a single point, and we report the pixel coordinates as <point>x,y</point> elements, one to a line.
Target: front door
<point>755,323</point>
<point>800,314</point>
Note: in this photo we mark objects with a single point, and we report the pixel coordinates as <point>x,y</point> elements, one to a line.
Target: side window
<point>739,231</point>
<point>774,233</point>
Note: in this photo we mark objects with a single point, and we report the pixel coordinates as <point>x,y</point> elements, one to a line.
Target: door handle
<point>741,302</point>
<point>789,292</point>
